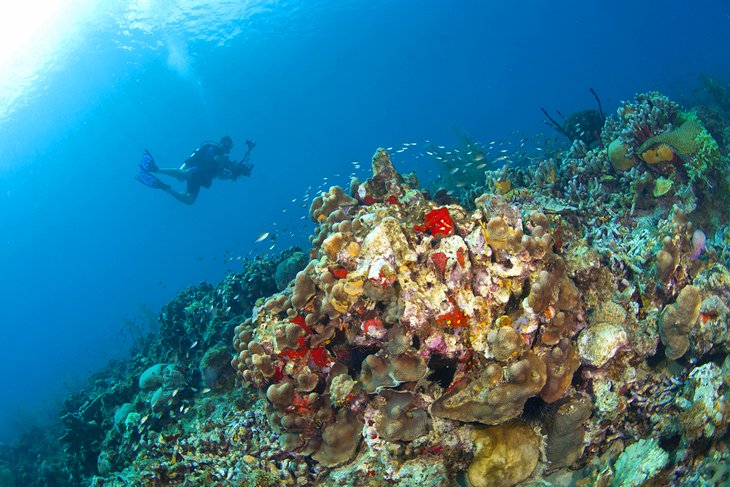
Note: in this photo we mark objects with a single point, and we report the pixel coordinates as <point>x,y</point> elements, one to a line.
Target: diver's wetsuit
<point>203,164</point>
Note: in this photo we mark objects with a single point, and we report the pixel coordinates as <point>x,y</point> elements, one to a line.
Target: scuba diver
<point>209,161</point>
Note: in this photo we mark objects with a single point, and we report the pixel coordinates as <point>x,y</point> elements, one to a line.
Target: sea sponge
<point>618,154</point>
<point>658,153</point>
<point>676,319</point>
<point>505,455</point>
<point>682,141</point>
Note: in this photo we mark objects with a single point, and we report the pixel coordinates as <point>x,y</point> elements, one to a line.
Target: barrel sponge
<point>505,455</point>
<point>496,395</point>
<point>676,320</point>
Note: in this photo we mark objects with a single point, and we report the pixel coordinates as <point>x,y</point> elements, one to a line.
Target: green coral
<point>693,144</point>
<point>706,159</point>
<point>639,463</point>
<point>262,478</point>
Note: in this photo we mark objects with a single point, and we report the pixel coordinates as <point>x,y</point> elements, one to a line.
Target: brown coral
<point>675,322</point>
<point>505,455</point>
<point>495,396</point>
<point>565,432</point>
<point>399,419</point>
<point>339,439</point>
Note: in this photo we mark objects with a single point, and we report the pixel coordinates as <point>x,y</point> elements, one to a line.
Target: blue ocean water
<point>87,253</point>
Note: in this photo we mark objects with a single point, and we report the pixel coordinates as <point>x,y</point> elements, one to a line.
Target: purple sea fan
<point>699,243</point>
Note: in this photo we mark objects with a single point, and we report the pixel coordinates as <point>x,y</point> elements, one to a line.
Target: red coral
<point>454,318</point>
<point>393,200</point>
<point>372,323</point>
<point>460,256</point>
<point>338,272</point>
<point>438,222</point>
<point>320,357</point>
<point>299,321</point>
<point>439,259</point>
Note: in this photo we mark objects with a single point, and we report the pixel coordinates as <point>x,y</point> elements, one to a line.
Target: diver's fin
<point>147,163</point>
<point>151,181</point>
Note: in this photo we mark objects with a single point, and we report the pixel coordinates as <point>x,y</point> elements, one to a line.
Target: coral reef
<point>568,325</point>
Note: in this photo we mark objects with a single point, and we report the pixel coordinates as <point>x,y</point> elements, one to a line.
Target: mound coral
<point>391,291</point>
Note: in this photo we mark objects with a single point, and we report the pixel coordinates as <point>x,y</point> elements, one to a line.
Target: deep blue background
<point>317,85</point>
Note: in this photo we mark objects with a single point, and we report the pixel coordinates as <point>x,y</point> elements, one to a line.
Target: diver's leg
<point>179,174</point>
<point>187,198</point>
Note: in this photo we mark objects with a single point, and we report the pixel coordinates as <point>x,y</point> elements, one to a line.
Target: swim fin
<point>147,163</point>
<point>151,181</point>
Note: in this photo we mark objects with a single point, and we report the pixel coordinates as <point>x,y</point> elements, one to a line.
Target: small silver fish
<point>261,237</point>
<point>195,344</point>
<point>454,171</point>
